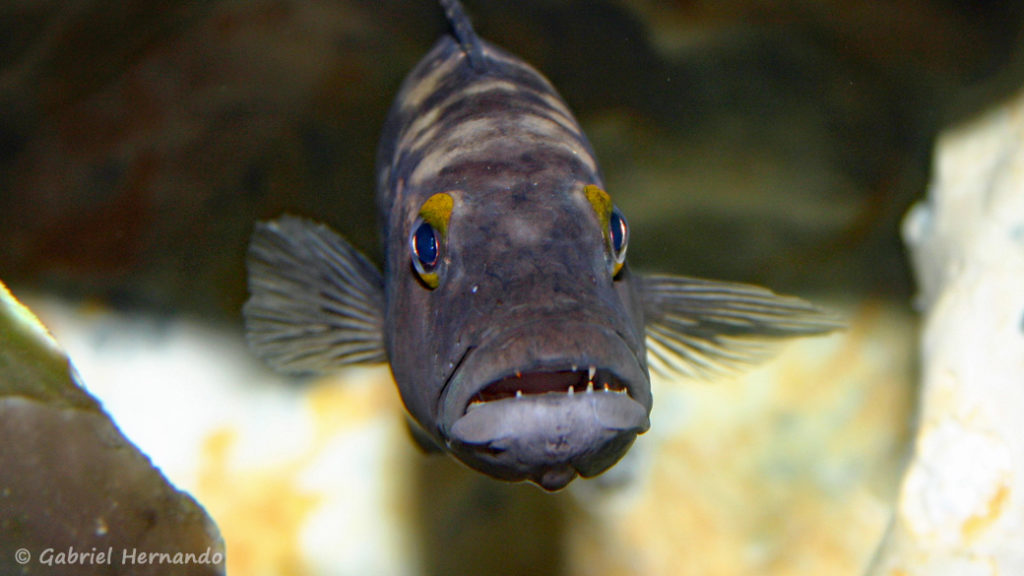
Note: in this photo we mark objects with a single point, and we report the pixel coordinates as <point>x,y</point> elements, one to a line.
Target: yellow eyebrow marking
<point>601,202</point>
<point>437,211</point>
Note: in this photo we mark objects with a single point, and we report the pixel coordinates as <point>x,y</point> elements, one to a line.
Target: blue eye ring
<point>618,237</point>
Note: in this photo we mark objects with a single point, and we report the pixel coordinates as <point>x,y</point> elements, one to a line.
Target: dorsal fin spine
<point>463,31</point>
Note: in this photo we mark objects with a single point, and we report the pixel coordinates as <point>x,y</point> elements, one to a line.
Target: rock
<point>76,497</point>
<point>961,509</point>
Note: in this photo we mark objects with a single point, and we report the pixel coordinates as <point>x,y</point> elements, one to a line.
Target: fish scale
<point>515,330</point>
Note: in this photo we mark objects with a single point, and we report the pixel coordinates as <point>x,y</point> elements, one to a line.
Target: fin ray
<point>315,302</point>
<point>703,328</point>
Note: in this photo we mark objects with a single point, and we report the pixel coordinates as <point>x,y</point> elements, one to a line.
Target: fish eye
<point>427,239</point>
<point>618,236</point>
<point>425,248</point>
<point>616,231</point>
<point>619,233</point>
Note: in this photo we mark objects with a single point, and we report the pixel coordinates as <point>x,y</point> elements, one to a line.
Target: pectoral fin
<point>700,328</point>
<point>315,302</point>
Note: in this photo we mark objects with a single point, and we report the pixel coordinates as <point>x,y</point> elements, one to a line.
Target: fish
<point>520,340</point>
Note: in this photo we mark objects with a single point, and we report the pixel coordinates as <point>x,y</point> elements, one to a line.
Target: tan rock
<point>961,509</point>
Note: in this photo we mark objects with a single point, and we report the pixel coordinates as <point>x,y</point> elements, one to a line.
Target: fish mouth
<point>560,414</point>
<point>566,382</point>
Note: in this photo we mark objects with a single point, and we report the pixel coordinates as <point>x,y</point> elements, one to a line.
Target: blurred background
<point>772,141</point>
<point>769,141</point>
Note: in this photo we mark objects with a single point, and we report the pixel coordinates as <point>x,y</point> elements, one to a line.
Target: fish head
<point>514,332</point>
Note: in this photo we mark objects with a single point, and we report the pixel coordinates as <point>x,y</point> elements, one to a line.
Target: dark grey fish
<point>517,334</point>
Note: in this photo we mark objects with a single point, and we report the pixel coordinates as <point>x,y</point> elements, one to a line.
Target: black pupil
<point>425,245</point>
<point>618,229</point>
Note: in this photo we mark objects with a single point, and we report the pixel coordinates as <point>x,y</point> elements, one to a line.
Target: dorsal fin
<point>463,31</point>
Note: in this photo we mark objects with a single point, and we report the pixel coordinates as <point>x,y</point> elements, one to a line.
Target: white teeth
<point>572,390</point>
<point>590,387</point>
<point>591,372</point>
<point>519,393</point>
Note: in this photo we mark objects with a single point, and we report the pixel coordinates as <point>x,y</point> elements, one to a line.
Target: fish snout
<point>546,402</point>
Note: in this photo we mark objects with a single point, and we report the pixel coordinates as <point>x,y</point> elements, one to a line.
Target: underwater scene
<point>338,287</point>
